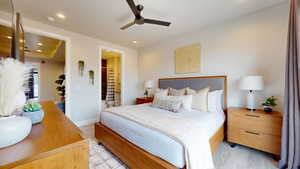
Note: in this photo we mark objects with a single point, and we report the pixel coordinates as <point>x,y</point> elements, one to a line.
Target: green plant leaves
<point>32,107</point>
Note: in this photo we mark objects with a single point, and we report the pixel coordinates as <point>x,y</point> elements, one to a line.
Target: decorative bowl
<point>35,117</point>
<point>13,129</point>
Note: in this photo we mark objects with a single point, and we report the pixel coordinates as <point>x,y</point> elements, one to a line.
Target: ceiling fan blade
<point>157,22</point>
<point>127,26</point>
<point>133,7</point>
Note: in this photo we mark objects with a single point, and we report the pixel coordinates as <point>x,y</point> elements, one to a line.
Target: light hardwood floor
<point>225,157</point>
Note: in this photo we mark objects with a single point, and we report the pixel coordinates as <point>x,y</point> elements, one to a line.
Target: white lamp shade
<point>148,84</point>
<point>252,83</point>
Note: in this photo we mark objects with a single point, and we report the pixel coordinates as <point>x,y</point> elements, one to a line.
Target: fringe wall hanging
<point>81,67</point>
<point>92,77</point>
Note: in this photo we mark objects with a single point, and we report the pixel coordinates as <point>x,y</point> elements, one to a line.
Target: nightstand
<point>255,129</point>
<point>143,100</point>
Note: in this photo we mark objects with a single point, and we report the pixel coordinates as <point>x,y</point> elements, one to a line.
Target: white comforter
<point>185,127</point>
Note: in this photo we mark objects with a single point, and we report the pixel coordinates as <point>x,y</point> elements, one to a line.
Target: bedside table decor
<point>251,83</point>
<point>148,85</point>
<point>255,129</point>
<point>269,103</point>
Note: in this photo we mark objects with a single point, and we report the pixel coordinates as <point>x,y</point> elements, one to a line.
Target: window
<point>32,91</point>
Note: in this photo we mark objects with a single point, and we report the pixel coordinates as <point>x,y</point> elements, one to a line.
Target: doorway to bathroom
<point>111,78</point>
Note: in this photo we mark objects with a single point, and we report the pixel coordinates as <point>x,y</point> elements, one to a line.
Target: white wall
<point>253,44</point>
<point>83,97</point>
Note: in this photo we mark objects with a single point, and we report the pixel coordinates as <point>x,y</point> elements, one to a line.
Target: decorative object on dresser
<point>34,112</point>
<point>13,76</point>
<point>143,100</point>
<point>54,143</point>
<point>148,85</point>
<point>269,103</point>
<point>251,83</point>
<point>255,129</point>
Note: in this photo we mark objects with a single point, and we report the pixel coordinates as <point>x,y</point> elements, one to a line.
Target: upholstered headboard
<point>197,83</point>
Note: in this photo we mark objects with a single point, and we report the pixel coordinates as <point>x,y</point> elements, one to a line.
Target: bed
<point>143,148</point>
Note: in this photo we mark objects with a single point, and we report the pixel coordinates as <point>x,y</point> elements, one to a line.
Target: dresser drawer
<point>265,124</point>
<point>254,139</point>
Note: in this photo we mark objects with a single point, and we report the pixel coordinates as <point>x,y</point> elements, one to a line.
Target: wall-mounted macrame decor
<point>187,59</point>
<point>92,77</point>
<point>81,67</point>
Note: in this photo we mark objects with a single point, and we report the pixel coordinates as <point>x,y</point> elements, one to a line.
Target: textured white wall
<point>84,98</point>
<point>253,44</point>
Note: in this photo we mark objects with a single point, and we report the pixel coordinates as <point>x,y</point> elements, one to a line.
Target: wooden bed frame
<point>137,158</point>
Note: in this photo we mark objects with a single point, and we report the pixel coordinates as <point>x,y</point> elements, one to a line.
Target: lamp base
<point>251,101</point>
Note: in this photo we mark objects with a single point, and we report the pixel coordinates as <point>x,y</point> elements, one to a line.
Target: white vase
<point>13,130</point>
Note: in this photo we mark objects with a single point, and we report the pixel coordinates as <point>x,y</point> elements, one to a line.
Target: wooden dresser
<point>55,143</point>
<point>143,100</point>
<point>255,129</point>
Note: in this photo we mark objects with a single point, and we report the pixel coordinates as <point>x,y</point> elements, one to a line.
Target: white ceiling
<point>102,18</point>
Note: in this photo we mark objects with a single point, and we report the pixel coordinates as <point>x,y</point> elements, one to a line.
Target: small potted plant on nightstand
<point>269,104</point>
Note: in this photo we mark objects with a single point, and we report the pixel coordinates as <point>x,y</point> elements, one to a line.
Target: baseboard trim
<point>86,122</point>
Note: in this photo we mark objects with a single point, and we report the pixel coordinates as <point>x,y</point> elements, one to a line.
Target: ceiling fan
<point>137,9</point>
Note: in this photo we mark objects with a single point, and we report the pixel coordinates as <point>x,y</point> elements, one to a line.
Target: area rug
<point>225,158</point>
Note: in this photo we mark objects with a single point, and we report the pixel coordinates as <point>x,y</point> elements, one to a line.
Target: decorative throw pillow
<point>167,104</point>
<point>161,92</point>
<point>175,92</point>
<point>215,101</point>
<point>186,100</point>
<point>200,99</point>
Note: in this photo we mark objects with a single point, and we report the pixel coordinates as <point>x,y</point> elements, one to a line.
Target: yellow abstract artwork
<point>187,59</point>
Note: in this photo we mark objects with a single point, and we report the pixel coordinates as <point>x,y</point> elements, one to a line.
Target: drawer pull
<point>250,132</point>
<point>251,115</point>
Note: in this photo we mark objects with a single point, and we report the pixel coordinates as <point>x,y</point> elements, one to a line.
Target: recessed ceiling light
<point>135,42</point>
<point>9,37</point>
<point>39,50</point>
<point>50,19</point>
<point>61,16</point>
<point>40,44</point>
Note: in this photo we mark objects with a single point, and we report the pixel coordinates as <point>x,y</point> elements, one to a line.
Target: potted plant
<point>269,104</point>
<point>13,128</point>
<point>34,112</point>
<point>61,91</point>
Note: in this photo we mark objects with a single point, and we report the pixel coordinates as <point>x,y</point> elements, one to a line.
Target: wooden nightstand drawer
<point>255,129</point>
<point>254,139</point>
<point>266,124</point>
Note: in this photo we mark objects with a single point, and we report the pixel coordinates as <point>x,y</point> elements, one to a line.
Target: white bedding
<point>154,141</point>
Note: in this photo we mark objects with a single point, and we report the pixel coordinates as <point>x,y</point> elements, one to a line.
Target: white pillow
<point>215,101</point>
<point>200,99</point>
<point>161,92</point>
<point>175,92</point>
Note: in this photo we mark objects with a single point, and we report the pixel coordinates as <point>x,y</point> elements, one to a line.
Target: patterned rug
<point>225,158</point>
<point>100,158</point>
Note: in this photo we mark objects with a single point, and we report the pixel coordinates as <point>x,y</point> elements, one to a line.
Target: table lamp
<point>251,83</point>
<point>148,85</point>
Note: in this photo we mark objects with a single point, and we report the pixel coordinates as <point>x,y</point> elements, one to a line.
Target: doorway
<point>111,78</point>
